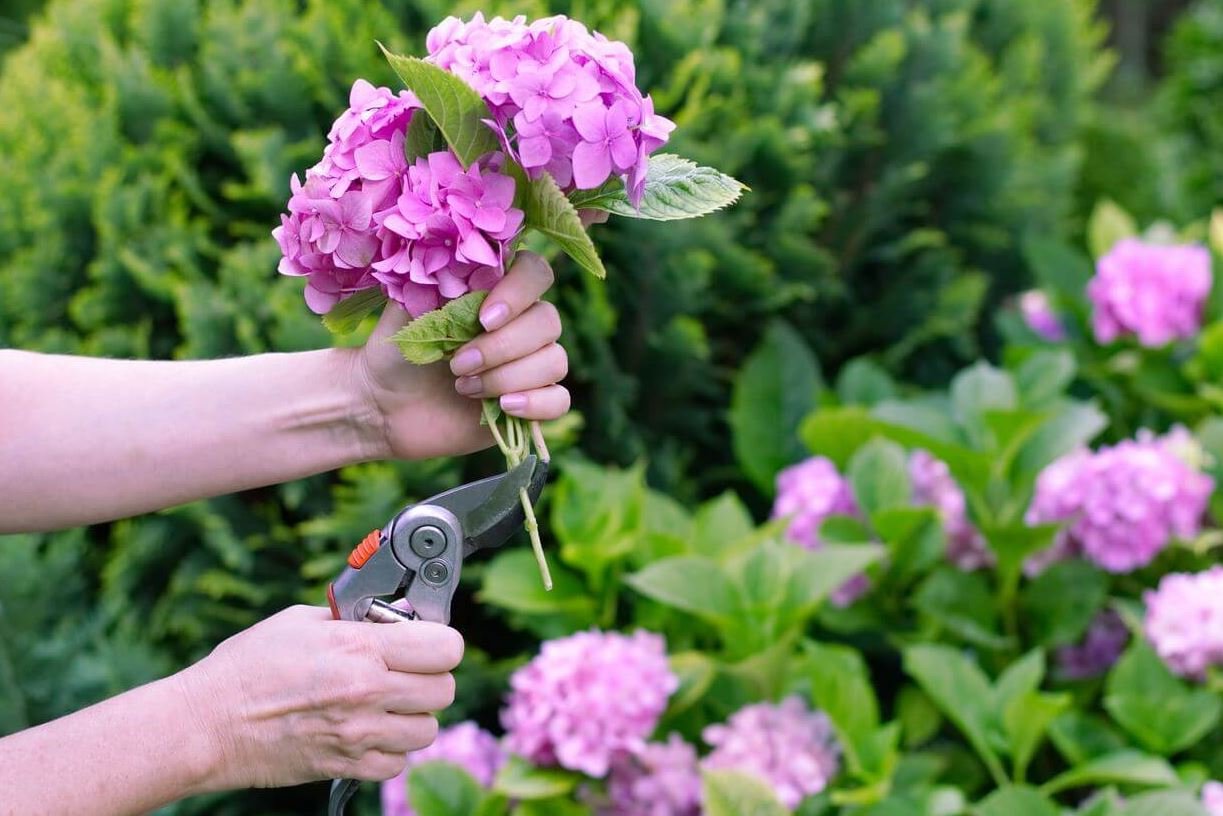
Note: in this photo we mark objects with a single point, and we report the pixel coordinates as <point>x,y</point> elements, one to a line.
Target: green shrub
<point>1193,98</point>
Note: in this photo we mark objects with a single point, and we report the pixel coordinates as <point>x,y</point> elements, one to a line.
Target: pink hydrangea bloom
<point>786,744</point>
<point>1153,291</point>
<point>1124,503</point>
<point>934,486</point>
<point>808,493</point>
<point>448,231</point>
<point>1099,649</point>
<point>1184,621</point>
<point>658,779</point>
<point>1212,798</point>
<point>564,99</point>
<point>467,745</point>
<point>1038,314</point>
<point>588,697</point>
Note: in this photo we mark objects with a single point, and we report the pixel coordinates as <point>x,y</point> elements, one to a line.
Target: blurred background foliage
<point>899,152</point>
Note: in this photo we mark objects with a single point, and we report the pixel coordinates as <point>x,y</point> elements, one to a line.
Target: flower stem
<point>541,446</point>
<point>537,546</point>
<point>515,443</point>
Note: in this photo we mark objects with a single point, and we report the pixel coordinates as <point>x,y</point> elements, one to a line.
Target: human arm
<point>296,698</point>
<point>84,440</point>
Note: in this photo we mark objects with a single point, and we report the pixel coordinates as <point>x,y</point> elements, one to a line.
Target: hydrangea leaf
<point>1017,800</point>
<point>730,793</point>
<point>519,779</point>
<point>442,788</point>
<point>1124,767</point>
<point>675,188</point>
<point>451,103</point>
<point>1107,225</point>
<point>438,334</point>
<point>548,211</point>
<point>346,316</point>
<point>422,138</point>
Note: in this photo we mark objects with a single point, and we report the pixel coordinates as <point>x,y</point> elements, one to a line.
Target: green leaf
<point>915,539</point>
<point>1058,267</point>
<point>675,188</point>
<point>731,793</point>
<point>1016,800</point>
<point>555,806</point>
<point>777,386</point>
<point>1080,736</point>
<point>976,390</point>
<point>963,603</point>
<point>691,583</point>
<point>437,334</point>
<point>548,211</point>
<point>1043,376</point>
<point>1025,720</point>
<point>451,103</point>
<point>511,581</point>
<point>423,138</point>
<point>438,788</point>
<point>814,575</point>
<point>719,523</point>
<point>696,672</point>
<point>346,316</point>
<point>837,432</point>
<point>1107,225</point>
<point>862,381</point>
<point>1117,768</point>
<point>879,475</point>
<point>961,691</point>
<point>1073,424</point>
<point>1163,803</point>
<point>1156,708</point>
<point>841,687</point>
<point>919,717</point>
<point>1058,605</point>
<point>519,779</point>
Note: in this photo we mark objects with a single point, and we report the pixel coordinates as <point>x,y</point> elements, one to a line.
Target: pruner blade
<point>490,510</point>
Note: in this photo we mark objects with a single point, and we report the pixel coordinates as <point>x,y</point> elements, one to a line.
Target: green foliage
<point>675,189</point>
<point>437,334</point>
<point>1193,102</point>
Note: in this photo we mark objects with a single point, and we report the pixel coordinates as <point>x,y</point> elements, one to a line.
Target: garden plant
<point>893,488</point>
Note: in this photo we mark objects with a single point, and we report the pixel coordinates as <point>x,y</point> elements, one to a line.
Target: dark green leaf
<point>1155,707</point>
<point>1043,377</point>
<point>451,103</point>
<point>1058,267</point>
<point>864,382</point>
<point>777,386</point>
<point>963,603</point>
<point>422,138</point>
<point>1059,604</point>
<point>1080,736</point>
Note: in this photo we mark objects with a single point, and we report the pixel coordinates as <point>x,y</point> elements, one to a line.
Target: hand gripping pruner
<point>418,556</point>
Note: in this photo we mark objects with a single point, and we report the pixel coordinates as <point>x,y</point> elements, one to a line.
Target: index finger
<point>522,286</point>
<point>418,647</point>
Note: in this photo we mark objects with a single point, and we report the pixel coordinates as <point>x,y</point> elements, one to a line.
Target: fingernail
<point>513,402</point>
<point>468,386</point>
<point>466,361</point>
<point>493,317</point>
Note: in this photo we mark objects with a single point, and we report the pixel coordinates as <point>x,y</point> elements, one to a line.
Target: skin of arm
<point>84,440</point>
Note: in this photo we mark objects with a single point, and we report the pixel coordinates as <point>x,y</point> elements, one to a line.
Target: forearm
<point>129,754</point>
<point>85,440</point>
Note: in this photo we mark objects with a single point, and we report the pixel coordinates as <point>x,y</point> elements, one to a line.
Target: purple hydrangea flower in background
<point>658,779</point>
<point>570,94</point>
<point>934,486</point>
<point>447,233</point>
<point>1102,644</point>
<point>786,745</point>
<point>808,493</point>
<point>1037,312</point>
<point>1124,503</point>
<point>1212,798</point>
<point>587,698</point>
<point>1152,291</point>
<point>1184,621</point>
<point>467,745</point>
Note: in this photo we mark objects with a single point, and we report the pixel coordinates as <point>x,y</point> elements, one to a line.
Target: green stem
<point>537,546</point>
<point>541,446</point>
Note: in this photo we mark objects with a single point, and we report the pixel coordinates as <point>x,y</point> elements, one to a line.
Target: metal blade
<point>490,509</point>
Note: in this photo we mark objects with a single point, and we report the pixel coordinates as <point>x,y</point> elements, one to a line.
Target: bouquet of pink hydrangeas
<point>422,196</point>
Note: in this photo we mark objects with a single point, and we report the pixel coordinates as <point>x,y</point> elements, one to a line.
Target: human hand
<point>301,697</point>
<point>435,410</point>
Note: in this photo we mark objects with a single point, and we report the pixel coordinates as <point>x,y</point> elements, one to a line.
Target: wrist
<point>365,419</point>
<point>207,744</point>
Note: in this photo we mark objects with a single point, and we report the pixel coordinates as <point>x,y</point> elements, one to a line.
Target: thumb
<point>394,317</point>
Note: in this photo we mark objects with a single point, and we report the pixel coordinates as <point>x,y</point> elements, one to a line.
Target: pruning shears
<point>418,555</point>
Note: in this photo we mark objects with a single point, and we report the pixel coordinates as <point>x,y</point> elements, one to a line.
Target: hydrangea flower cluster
<point>564,99</point>
<point>1124,503</point>
<point>1153,291</point>
<point>658,779</point>
<point>1212,797</point>
<point>363,218</point>
<point>588,697</point>
<point>934,486</point>
<point>1037,312</point>
<point>1184,621</point>
<point>467,745</point>
<point>1103,643</point>
<point>808,493</point>
<point>786,744</point>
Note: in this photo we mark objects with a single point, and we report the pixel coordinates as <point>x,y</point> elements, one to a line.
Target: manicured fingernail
<point>493,317</point>
<point>466,361</point>
<point>513,402</point>
<point>468,386</point>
